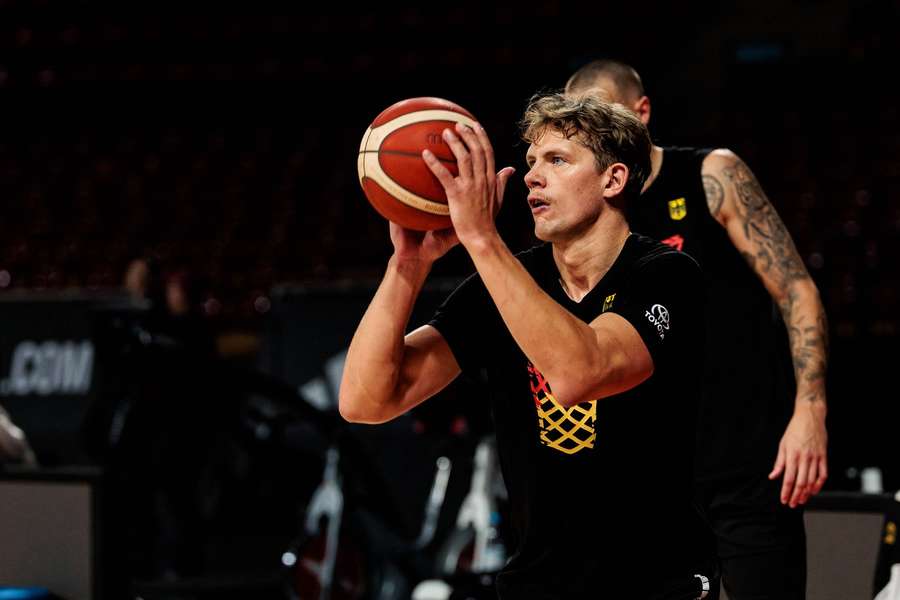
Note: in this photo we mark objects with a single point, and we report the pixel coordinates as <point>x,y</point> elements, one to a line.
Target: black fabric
<point>748,389</point>
<point>590,495</point>
<point>747,395</point>
<point>761,543</point>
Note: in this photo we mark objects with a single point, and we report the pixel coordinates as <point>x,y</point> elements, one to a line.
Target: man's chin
<point>543,234</point>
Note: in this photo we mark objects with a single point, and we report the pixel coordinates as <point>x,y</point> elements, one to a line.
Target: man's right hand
<point>422,246</point>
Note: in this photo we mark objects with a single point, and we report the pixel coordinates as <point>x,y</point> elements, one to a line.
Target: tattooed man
<point>762,438</point>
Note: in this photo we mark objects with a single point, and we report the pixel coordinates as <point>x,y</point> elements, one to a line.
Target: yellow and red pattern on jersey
<point>568,430</point>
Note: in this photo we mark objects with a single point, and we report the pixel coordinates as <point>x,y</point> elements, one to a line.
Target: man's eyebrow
<point>530,157</point>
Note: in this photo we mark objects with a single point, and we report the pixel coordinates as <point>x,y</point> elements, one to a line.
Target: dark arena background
<point>185,251</point>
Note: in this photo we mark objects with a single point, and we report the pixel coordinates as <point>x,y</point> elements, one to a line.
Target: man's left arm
<point>739,204</point>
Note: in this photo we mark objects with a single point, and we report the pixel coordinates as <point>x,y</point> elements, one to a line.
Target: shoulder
<point>654,256</point>
<point>662,275</point>
<point>687,154</point>
<point>722,169</point>
<point>720,159</point>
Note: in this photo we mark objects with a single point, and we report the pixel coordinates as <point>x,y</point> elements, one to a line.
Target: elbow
<point>577,387</point>
<point>349,411</point>
<point>807,286</point>
<point>802,290</point>
<point>571,391</point>
<point>353,411</point>
<point>814,291</point>
<point>574,382</point>
<point>355,408</point>
<point>570,398</point>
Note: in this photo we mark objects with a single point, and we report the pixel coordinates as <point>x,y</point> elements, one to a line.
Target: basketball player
<point>754,428</point>
<point>590,346</point>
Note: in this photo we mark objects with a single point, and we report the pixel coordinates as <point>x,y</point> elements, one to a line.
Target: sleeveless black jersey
<point>748,383</point>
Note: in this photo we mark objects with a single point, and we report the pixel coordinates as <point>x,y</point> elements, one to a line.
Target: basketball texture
<point>393,174</point>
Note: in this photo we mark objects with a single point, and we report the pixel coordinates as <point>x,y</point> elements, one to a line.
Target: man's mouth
<point>537,203</point>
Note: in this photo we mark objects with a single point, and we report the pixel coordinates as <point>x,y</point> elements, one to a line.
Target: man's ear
<point>641,108</point>
<point>616,176</point>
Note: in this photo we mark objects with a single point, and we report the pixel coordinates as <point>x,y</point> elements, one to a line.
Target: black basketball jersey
<point>748,384</point>
<point>596,490</point>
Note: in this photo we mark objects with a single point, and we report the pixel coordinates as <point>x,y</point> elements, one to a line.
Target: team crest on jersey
<point>608,302</point>
<point>677,209</point>
<point>566,430</point>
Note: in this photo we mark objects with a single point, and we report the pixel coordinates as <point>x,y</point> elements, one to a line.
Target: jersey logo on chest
<point>677,209</point>
<point>608,302</point>
<point>567,430</point>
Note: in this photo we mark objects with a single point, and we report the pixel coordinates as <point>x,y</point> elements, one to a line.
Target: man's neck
<point>584,261</point>
<point>656,160</point>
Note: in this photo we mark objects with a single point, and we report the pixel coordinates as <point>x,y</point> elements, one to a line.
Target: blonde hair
<point>613,133</point>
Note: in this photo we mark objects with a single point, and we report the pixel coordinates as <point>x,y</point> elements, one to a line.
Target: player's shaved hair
<point>624,76</point>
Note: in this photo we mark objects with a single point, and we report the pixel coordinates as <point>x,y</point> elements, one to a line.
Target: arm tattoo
<point>774,253</point>
<point>809,348</point>
<point>714,194</point>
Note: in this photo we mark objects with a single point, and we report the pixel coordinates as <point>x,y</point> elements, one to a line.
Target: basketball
<point>393,175</point>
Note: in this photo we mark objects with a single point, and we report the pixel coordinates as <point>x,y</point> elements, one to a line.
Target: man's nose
<point>533,178</point>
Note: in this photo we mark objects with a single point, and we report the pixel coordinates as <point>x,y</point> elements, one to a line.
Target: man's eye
<point>558,160</point>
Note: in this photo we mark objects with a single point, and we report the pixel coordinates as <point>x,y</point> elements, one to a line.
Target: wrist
<point>482,243</point>
<point>811,404</point>
<point>409,267</point>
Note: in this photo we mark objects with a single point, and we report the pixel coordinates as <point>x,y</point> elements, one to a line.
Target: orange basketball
<point>393,174</point>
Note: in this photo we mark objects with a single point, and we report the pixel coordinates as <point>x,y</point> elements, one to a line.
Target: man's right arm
<point>386,372</point>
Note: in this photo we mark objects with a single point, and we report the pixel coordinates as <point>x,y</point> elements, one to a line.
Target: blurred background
<point>185,249</point>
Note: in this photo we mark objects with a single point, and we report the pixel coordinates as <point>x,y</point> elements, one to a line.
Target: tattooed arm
<point>738,203</point>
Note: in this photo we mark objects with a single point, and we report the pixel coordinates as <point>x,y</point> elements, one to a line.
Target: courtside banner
<point>50,369</point>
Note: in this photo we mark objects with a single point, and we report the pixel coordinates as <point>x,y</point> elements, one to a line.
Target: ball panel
<point>373,170</point>
<point>412,139</point>
<point>416,104</point>
<point>411,173</point>
<point>378,134</point>
<point>406,216</point>
<point>365,139</point>
<point>361,166</point>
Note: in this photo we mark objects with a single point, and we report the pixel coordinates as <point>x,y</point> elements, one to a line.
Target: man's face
<point>565,186</point>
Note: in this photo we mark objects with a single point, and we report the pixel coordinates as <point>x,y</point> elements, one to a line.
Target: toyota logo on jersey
<point>658,315</point>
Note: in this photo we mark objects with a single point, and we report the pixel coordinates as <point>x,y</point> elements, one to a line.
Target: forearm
<point>807,326</point>
<point>375,356</point>
<point>802,452</point>
<point>561,346</point>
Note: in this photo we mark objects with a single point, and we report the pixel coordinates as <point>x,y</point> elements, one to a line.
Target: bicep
<point>627,359</point>
<point>428,367</point>
<point>752,223</point>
